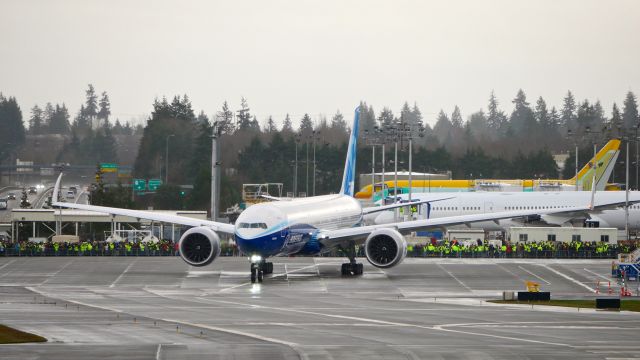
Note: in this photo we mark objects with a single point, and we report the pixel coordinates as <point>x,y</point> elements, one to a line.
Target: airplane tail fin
<point>605,160</point>
<point>348,178</point>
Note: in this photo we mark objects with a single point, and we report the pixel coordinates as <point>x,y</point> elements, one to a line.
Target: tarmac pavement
<point>161,308</point>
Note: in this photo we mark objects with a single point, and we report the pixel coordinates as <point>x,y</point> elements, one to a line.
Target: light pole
<point>166,158</point>
<point>570,134</point>
<point>316,135</point>
<point>295,170</point>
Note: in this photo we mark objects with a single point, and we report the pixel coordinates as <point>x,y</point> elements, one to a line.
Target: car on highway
<point>11,196</point>
<point>74,189</point>
<point>70,194</point>
<point>3,204</point>
<point>33,190</point>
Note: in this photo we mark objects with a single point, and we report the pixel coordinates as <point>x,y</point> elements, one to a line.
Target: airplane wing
<point>374,209</point>
<point>275,198</point>
<point>142,214</point>
<point>359,234</point>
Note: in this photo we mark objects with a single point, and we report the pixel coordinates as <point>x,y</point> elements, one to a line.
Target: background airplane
<point>606,159</point>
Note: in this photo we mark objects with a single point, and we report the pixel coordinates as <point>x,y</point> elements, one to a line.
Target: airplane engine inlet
<point>199,246</point>
<point>385,248</point>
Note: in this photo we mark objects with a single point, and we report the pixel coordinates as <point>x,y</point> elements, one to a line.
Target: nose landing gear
<point>259,269</point>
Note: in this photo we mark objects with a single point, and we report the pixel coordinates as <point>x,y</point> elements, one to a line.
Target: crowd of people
<point>433,248</point>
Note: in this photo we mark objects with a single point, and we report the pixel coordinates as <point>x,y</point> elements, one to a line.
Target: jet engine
<point>199,246</point>
<point>385,248</point>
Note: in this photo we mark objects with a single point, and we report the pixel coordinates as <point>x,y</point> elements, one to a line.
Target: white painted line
<point>7,264</point>
<point>539,277</point>
<point>51,276</point>
<point>124,272</point>
<point>568,277</point>
<point>596,274</point>
<point>158,351</point>
<point>235,332</point>
<point>453,276</point>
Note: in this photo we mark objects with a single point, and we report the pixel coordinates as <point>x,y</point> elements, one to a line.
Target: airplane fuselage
<point>290,227</point>
<point>489,202</point>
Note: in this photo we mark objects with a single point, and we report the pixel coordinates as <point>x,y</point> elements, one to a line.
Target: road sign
<point>154,184</point>
<point>109,167</point>
<point>139,184</point>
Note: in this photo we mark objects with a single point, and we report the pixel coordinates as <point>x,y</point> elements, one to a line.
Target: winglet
<point>56,189</point>
<point>348,178</point>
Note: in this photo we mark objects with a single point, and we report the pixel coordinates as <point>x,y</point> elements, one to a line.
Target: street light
<point>575,140</point>
<point>166,158</point>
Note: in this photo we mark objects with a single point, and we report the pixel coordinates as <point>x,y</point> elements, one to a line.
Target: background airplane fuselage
<point>488,202</point>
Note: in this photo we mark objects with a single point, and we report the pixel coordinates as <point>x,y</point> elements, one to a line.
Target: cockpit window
<point>252,226</point>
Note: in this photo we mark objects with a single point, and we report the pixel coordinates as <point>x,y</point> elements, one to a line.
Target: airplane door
<point>488,207</point>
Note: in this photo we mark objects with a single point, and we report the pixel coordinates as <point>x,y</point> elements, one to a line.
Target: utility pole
<point>626,193</point>
<point>215,170</point>
<point>166,158</point>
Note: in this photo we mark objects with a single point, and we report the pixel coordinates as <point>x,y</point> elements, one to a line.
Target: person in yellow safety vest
<point>127,246</point>
<point>111,246</point>
<point>141,247</point>
<point>431,248</point>
<point>89,248</point>
<point>56,246</point>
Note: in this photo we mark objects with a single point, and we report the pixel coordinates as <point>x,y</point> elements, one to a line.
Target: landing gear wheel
<point>268,268</point>
<point>260,276</point>
<point>253,275</point>
<point>351,269</point>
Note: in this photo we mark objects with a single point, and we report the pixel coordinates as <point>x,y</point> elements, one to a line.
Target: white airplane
<point>308,226</point>
<point>469,203</point>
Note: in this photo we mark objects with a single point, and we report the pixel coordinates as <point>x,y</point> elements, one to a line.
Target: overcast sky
<point>318,56</point>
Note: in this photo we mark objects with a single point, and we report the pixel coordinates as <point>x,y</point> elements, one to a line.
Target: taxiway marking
<point>51,276</point>
<point>568,277</point>
<point>113,284</point>
<point>453,276</point>
<point>7,264</point>
<point>596,274</point>
<point>539,277</point>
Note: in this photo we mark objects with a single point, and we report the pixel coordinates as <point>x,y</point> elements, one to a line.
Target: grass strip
<point>12,336</point>
<point>628,305</point>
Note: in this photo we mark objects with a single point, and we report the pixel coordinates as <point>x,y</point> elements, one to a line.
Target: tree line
<point>488,143</point>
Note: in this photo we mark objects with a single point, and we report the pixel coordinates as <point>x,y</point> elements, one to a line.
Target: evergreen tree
<point>244,116</point>
<point>386,119</point>
<point>59,123</point>
<point>306,126</point>
<point>48,115</point>
<point>496,118</point>
<point>456,118</point>
<point>91,105</point>
<point>568,112</point>
<point>338,122</point>
<point>118,129</point>
<point>630,111</point>
<point>12,131</point>
<point>36,121</point>
<point>225,119</point>
<point>442,128</point>
<point>542,115</point>
<point>522,119</point>
<point>271,125</point>
<point>105,108</point>
<point>367,117</point>
<point>478,126</point>
<point>286,126</point>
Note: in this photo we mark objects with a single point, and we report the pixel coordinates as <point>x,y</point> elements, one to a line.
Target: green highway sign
<point>139,184</point>
<point>154,184</point>
<point>108,167</point>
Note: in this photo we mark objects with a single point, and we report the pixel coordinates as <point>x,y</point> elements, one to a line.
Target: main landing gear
<point>259,268</point>
<point>352,268</point>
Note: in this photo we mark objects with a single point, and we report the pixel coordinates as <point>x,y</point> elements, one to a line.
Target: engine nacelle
<point>385,248</point>
<point>199,246</point>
